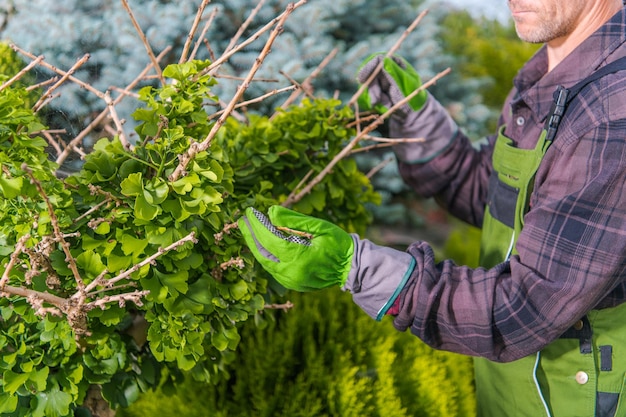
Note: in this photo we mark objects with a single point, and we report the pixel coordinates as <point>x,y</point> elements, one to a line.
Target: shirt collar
<point>535,85</point>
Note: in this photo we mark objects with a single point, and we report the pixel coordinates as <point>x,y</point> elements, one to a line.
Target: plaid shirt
<point>572,249</point>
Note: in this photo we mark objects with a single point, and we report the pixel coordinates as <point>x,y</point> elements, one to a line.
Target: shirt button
<point>582,377</point>
<point>520,121</point>
<point>579,325</point>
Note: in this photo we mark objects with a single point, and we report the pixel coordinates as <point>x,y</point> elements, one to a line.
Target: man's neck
<point>590,21</point>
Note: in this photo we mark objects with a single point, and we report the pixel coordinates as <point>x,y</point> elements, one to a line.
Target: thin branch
<point>294,197</point>
<point>19,247</point>
<point>62,73</point>
<point>195,148</point>
<point>244,26</point>
<point>256,100</point>
<point>144,39</point>
<point>191,237</point>
<point>70,72</point>
<point>134,297</point>
<point>22,72</point>
<point>207,25</point>
<point>192,31</point>
<point>118,123</point>
<point>73,144</point>
<point>285,307</point>
<point>306,84</point>
<point>386,143</point>
<point>226,55</point>
<point>379,166</point>
<point>57,230</point>
<point>301,87</point>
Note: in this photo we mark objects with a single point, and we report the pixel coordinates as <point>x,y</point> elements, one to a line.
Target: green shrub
<point>325,357</point>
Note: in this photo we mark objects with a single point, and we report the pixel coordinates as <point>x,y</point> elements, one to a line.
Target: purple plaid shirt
<point>572,249</point>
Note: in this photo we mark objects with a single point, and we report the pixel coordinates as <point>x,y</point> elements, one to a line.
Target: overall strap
<point>563,96</point>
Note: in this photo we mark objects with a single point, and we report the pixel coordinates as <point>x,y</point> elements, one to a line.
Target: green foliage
<point>463,244</point>
<point>485,48</point>
<point>325,357</point>
<point>274,154</point>
<point>11,64</point>
<point>97,240</point>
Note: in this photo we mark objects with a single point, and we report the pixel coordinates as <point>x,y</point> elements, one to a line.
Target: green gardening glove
<point>321,259</point>
<point>393,83</point>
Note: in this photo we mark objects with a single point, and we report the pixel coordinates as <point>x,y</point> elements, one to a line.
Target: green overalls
<point>582,373</point>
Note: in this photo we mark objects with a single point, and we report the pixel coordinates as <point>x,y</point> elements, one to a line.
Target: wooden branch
<point>144,39</point>
<point>59,302</point>
<point>255,100</point>
<point>118,123</point>
<point>295,197</point>
<point>73,144</point>
<point>200,40</point>
<point>62,73</point>
<point>306,84</point>
<point>57,84</point>
<point>285,307</point>
<point>71,262</point>
<point>19,247</point>
<point>244,26</point>
<point>22,72</point>
<point>192,31</point>
<point>386,143</point>
<point>195,148</point>
<point>191,237</point>
<point>227,54</point>
<point>379,166</point>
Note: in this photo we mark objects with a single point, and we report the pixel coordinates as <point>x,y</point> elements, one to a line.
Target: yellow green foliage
<point>485,48</point>
<point>325,357</point>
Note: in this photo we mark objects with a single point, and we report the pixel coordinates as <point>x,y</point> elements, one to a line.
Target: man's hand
<point>311,254</point>
<point>392,84</point>
<point>422,117</point>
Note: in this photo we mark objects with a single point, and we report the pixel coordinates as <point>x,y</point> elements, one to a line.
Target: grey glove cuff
<point>433,123</point>
<point>377,276</point>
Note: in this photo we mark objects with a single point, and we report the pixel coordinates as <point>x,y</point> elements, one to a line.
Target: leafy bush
<point>324,357</point>
<point>141,267</point>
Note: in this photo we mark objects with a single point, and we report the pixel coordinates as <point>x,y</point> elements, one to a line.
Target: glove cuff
<point>433,123</point>
<point>377,276</point>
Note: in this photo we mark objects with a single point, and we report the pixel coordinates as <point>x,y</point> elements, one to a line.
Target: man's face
<point>540,21</point>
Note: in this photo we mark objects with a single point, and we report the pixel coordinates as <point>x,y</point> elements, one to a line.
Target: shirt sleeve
<point>571,258</point>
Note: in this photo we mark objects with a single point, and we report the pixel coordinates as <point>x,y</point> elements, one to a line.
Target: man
<point>544,317</point>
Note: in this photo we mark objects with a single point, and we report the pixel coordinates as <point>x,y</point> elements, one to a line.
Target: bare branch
<point>244,26</point>
<point>191,237</point>
<point>285,307</point>
<point>57,230</point>
<point>118,123</point>
<point>306,84</point>
<point>146,44</point>
<point>48,94</point>
<point>379,166</point>
<point>226,55</point>
<point>22,72</point>
<point>192,31</point>
<point>255,100</point>
<point>294,197</point>
<point>19,247</point>
<point>195,148</point>
<point>200,40</point>
<point>74,143</point>
<point>62,73</point>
